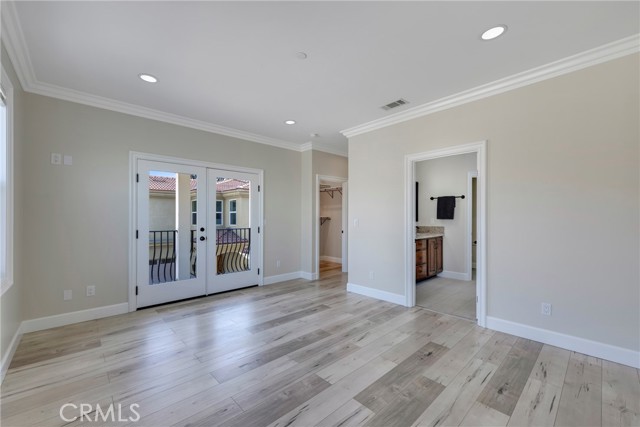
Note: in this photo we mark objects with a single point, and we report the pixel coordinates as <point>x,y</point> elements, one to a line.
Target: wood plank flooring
<point>306,353</point>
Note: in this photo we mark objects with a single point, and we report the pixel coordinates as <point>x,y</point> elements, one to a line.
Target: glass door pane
<point>172,227</point>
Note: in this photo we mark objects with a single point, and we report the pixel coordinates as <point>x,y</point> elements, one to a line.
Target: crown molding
<point>325,148</point>
<point>13,40</point>
<point>66,94</point>
<point>607,52</point>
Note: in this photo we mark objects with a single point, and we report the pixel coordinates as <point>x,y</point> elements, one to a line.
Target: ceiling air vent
<point>394,104</point>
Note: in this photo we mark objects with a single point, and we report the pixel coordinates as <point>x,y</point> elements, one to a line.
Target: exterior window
<point>194,212</point>
<point>219,205</point>
<point>233,216</point>
<point>6,187</point>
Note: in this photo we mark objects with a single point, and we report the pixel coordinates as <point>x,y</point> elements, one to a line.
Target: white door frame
<point>343,181</point>
<point>134,156</point>
<point>469,239</point>
<point>480,148</point>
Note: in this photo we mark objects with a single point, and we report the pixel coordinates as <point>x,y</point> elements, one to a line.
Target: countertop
<point>428,235</point>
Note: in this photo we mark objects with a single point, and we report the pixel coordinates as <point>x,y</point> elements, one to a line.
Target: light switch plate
<point>56,159</point>
<point>68,160</point>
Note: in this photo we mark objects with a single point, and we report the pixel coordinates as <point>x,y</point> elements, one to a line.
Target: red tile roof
<point>165,183</point>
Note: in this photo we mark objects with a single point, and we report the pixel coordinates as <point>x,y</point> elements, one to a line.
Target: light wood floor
<point>309,353</point>
<point>449,296</point>
<point>329,269</point>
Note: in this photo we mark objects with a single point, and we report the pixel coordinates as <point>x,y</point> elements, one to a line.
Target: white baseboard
<point>282,277</point>
<point>454,275</point>
<point>6,358</point>
<point>73,317</point>
<point>331,259</point>
<point>376,293</point>
<point>581,345</point>
<point>309,276</point>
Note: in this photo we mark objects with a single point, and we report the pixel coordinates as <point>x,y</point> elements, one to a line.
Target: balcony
<point>233,249</point>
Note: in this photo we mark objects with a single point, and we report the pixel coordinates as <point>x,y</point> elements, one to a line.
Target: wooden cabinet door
<point>432,248</point>
<point>438,255</point>
<point>421,259</point>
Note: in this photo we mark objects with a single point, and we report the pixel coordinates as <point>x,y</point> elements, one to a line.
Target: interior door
<point>171,240</point>
<point>233,250</point>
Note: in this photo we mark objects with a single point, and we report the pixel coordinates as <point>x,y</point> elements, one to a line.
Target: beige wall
<point>446,176</point>
<point>11,313</point>
<point>562,200</point>
<point>86,205</point>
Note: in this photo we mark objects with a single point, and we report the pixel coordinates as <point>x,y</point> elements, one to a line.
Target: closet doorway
<point>331,226</point>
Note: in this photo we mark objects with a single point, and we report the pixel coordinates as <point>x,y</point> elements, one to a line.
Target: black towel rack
<point>457,197</point>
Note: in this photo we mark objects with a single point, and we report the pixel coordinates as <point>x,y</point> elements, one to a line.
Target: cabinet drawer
<point>421,257</point>
<point>421,244</point>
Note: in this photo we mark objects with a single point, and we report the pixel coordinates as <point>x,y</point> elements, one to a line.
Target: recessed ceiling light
<point>494,32</point>
<point>289,122</point>
<point>301,55</point>
<point>314,135</point>
<point>148,78</point>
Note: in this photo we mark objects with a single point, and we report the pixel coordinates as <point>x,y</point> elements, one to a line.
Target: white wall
<point>562,200</point>
<point>72,208</point>
<point>331,231</point>
<point>446,176</point>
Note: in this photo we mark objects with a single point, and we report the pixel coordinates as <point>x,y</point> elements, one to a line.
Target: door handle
<point>202,238</point>
<point>201,228</point>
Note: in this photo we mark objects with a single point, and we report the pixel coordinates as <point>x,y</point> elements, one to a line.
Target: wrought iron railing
<point>233,253</point>
<point>162,256</point>
<point>233,250</point>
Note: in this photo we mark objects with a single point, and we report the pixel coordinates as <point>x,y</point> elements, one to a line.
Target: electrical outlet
<point>372,275</point>
<point>67,294</point>
<point>278,264</point>
<point>91,291</point>
<point>546,309</point>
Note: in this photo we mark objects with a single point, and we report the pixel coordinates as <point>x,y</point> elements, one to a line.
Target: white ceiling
<point>234,64</point>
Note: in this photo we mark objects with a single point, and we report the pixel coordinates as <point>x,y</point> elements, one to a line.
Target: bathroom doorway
<point>451,287</point>
<point>456,289</point>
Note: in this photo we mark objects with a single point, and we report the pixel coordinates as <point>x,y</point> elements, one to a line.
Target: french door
<point>170,232</point>
<point>197,231</point>
<point>233,250</point>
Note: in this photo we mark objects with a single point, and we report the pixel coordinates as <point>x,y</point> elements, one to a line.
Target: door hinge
<point>258,230</point>
<point>477,299</point>
<point>136,290</point>
<point>137,178</point>
<point>136,234</point>
<point>258,272</point>
<point>258,188</point>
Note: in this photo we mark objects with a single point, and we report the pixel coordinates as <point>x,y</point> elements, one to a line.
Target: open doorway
<point>452,286</point>
<point>331,221</point>
<point>444,280</point>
